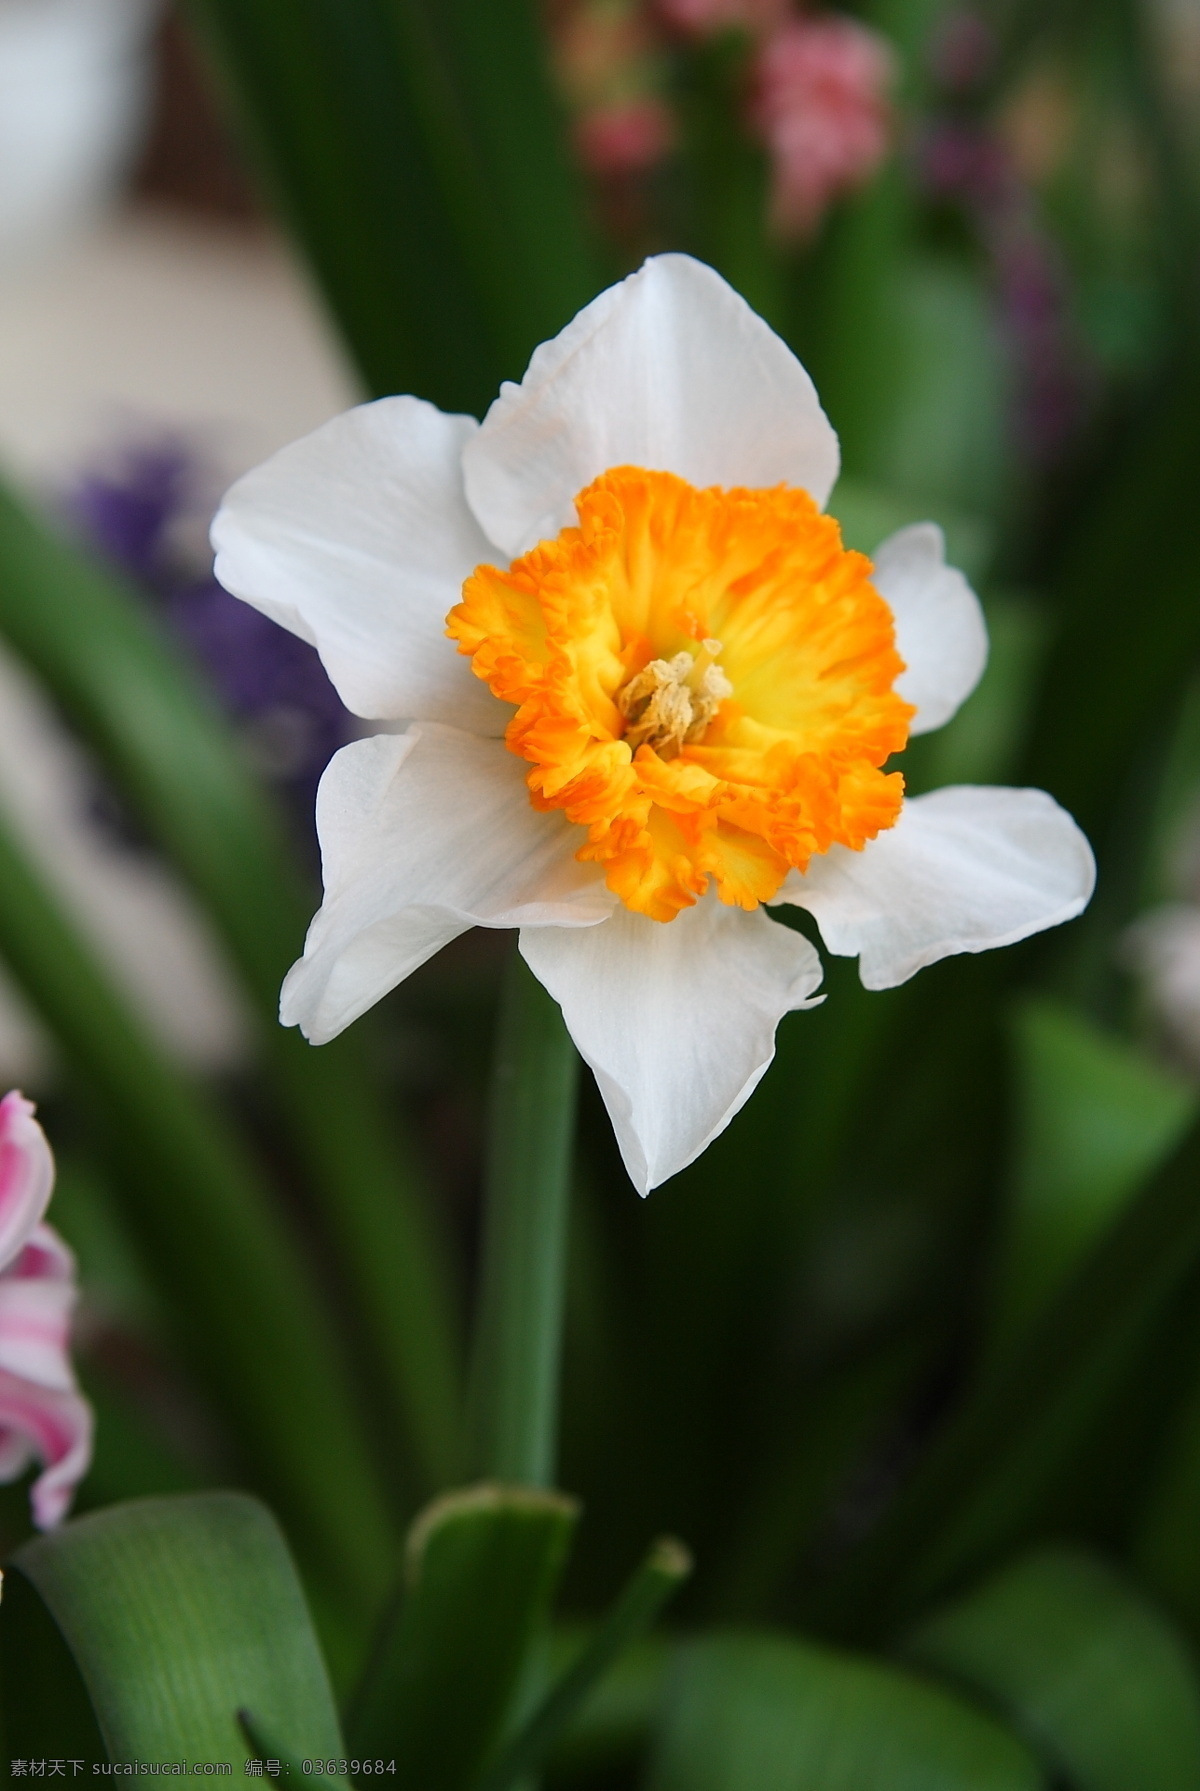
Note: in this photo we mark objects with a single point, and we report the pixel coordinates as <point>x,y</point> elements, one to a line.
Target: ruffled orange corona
<point>703,681</point>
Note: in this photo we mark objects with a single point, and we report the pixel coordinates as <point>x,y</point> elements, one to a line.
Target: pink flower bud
<point>26,1174</point>
<point>821,105</point>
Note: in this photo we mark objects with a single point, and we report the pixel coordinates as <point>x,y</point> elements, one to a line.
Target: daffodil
<point>648,693</point>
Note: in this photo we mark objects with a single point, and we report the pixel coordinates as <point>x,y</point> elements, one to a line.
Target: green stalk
<point>518,1341</point>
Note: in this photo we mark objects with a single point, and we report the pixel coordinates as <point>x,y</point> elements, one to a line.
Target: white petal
<point>423,835</point>
<point>940,631</point>
<point>358,539</point>
<point>964,869</point>
<point>669,370</point>
<point>677,1019</point>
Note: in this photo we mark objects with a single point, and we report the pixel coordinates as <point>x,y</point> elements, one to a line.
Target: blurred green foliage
<point>928,1307</point>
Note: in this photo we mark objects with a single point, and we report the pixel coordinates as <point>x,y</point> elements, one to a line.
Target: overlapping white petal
<point>677,1020</point>
<point>940,631</point>
<point>670,370</point>
<point>965,869</point>
<point>424,834</point>
<point>358,538</point>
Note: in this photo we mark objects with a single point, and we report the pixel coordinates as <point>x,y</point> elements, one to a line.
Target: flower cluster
<point>675,698</point>
<point>821,93</point>
<point>607,60</point>
<point>43,1416</point>
<point>819,98</point>
<point>817,92</point>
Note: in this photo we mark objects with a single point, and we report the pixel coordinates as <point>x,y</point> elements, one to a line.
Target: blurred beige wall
<point>157,319</point>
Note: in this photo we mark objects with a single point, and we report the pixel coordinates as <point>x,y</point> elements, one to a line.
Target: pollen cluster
<point>703,681</point>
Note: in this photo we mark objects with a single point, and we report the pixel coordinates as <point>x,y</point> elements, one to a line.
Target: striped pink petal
<point>49,1425</point>
<point>35,1330</point>
<point>26,1174</point>
<point>46,1257</point>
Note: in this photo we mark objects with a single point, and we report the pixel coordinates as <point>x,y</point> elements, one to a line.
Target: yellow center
<point>703,680</point>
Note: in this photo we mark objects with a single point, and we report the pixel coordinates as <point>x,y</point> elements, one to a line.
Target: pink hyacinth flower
<point>701,17</point>
<point>821,106</point>
<point>26,1174</point>
<point>626,137</point>
<point>43,1416</point>
<point>37,1297</point>
<point>47,1424</point>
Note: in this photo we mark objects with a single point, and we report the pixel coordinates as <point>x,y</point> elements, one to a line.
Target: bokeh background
<point>932,1298</point>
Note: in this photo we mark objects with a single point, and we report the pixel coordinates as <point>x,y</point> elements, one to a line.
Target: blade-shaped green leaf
<point>1126,662</point>
<point>415,150</point>
<point>172,755</point>
<point>1094,1118</point>
<point>756,1712</point>
<point>1167,1540</point>
<point>179,1612</point>
<point>269,1748</point>
<point>997,1468</point>
<point>481,1569</point>
<point>45,1712</point>
<point>246,1315</point>
<point>315,86</point>
<point>1085,1667</point>
<point>611,1730</point>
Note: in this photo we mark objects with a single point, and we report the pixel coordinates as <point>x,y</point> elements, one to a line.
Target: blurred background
<point>933,1295</point>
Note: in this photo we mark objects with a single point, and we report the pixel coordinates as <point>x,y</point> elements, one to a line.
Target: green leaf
<point>983,742</point>
<point>942,439</point>
<point>173,756</point>
<point>610,1731</point>
<point>833,1422</point>
<point>268,1747</point>
<point>868,514</point>
<point>1002,1461</point>
<point>481,1568</point>
<point>1084,1667</point>
<point>756,1712</point>
<point>246,1315</point>
<point>179,1612</point>
<point>1124,661</point>
<point>1094,1118</point>
<point>416,152</point>
<point>45,1712</point>
<point>1167,1537</point>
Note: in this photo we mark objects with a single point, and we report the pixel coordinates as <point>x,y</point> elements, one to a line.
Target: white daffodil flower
<point>666,699</point>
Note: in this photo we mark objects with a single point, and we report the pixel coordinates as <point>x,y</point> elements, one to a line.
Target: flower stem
<point>514,1390</point>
